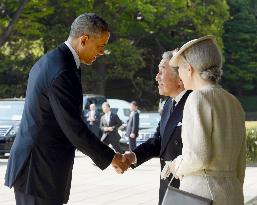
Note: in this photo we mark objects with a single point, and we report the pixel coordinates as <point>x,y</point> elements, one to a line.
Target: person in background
<point>109,124</point>
<point>213,159</point>
<point>85,110</point>
<point>93,120</point>
<point>133,125</point>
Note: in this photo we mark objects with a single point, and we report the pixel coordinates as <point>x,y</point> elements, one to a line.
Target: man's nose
<point>157,77</point>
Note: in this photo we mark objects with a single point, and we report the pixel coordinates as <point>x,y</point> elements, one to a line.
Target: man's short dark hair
<point>88,23</point>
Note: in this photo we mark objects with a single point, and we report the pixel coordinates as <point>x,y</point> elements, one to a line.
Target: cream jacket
<point>213,136</point>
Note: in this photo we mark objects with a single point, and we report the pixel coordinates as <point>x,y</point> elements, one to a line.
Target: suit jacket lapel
<point>166,115</point>
<point>175,117</point>
<point>110,120</point>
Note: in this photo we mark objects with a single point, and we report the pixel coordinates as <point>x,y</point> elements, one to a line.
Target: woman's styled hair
<point>205,57</point>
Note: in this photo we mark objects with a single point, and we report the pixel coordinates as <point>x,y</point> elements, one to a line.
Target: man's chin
<point>161,92</point>
<point>87,63</point>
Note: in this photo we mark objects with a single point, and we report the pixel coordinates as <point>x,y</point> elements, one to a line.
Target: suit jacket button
<point>176,142</point>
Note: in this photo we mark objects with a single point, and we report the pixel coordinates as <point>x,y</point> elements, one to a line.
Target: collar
<point>179,96</point>
<point>75,55</point>
<point>108,113</point>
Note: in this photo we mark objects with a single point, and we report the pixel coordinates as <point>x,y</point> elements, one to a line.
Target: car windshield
<point>126,112</point>
<point>11,110</point>
<point>148,120</point>
<point>97,100</point>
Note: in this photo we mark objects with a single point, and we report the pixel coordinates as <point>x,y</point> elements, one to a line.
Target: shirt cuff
<point>135,157</point>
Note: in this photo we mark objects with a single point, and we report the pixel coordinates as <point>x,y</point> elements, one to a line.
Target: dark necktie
<point>173,105</point>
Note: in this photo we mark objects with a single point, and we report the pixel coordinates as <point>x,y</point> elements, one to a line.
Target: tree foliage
<point>24,44</point>
<point>240,69</point>
<point>141,30</point>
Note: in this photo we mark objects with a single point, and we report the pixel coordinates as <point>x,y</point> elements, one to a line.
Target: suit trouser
<point>26,199</point>
<point>115,142</point>
<point>132,143</point>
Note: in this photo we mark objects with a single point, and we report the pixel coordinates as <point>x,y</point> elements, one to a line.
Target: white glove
<point>168,169</point>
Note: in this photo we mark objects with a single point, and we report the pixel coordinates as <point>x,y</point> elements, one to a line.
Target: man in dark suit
<point>93,120</point>
<point>166,143</point>
<point>133,126</point>
<point>42,156</point>
<point>109,124</point>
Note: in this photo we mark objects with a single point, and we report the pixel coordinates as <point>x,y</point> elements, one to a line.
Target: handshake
<point>121,162</point>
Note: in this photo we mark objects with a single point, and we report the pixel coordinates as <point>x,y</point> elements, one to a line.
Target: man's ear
<point>180,82</point>
<point>83,40</point>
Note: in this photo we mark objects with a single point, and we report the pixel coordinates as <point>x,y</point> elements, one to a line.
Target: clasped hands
<point>121,162</point>
<point>110,129</point>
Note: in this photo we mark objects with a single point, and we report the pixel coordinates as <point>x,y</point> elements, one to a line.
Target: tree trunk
<point>4,37</point>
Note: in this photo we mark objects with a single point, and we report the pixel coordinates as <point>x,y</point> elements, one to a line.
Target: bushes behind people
<point>251,141</point>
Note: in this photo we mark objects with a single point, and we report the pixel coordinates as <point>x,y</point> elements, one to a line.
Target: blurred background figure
<point>133,126</point>
<point>93,120</point>
<point>109,124</point>
<point>85,111</point>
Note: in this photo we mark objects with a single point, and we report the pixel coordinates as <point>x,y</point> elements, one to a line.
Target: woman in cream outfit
<point>213,128</point>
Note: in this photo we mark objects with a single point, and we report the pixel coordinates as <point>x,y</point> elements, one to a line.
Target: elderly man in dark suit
<point>166,143</point>
<point>42,156</point>
<point>109,124</point>
<point>133,126</point>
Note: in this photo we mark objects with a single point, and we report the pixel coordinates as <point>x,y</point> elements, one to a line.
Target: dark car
<point>10,117</point>
<point>148,122</point>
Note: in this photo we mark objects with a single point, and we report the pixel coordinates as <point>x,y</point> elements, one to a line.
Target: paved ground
<point>91,186</point>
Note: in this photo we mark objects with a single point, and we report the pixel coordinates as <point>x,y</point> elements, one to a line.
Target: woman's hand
<point>168,169</point>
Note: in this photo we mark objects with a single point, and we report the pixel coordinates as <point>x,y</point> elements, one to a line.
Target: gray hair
<point>88,23</point>
<point>205,57</point>
<point>167,55</point>
<point>106,104</point>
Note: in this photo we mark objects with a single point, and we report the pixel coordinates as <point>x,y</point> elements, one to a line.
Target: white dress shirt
<point>107,117</point>
<point>179,96</point>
